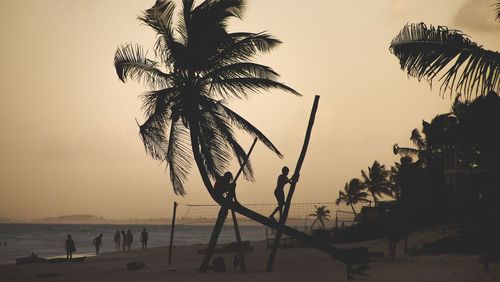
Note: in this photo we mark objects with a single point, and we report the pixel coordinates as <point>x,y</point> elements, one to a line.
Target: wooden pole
<point>241,255</point>
<point>282,221</point>
<point>172,234</point>
<point>221,218</point>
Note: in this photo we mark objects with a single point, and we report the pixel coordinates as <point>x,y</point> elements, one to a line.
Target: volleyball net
<point>300,213</point>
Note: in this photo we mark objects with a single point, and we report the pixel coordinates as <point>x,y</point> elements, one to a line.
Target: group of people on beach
<point>122,241</point>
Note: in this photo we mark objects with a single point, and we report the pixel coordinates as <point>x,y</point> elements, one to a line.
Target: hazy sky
<point>69,142</point>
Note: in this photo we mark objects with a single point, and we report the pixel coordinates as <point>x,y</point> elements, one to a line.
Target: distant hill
<point>94,219</point>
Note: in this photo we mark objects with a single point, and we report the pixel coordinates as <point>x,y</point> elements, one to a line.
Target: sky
<point>69,140</point>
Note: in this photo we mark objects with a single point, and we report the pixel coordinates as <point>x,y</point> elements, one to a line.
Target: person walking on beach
<point>70,247</point>
<point>124,240</point>
<point>279,193</point>
<point>144,239</point>
<point>117,240</point>
<point>97,244</point>
<point>130,239</point>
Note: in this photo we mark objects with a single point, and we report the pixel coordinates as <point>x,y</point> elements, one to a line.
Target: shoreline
<point>294,264</point>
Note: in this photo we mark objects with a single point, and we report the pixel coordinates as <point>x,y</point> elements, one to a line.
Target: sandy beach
<point>298,264</point>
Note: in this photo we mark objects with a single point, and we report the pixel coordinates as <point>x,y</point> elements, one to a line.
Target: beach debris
<point>219,265</point>
<point>135,265</point>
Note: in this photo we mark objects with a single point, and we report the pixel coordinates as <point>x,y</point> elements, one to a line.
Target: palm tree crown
<point>353,194</point>
<point>321,214</point>
<point>376,181</point>
<point>197,67</point>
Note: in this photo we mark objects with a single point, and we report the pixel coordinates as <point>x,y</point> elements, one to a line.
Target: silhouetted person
<point>224,187</point>
<point>393,229</point>
<point>117,240</point>
<point>130,239</point>
<point>124,240</point>
<point>279,193</point>
<point>144,239</point>
<point>70,247</point>
<point>97,244</point>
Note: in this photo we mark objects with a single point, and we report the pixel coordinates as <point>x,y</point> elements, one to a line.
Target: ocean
<point>47,240</point>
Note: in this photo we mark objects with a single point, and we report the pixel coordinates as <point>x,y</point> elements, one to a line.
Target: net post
<point>172,234</point>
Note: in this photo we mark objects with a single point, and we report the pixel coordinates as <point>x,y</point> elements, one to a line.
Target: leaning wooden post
<point>282,221</point>
<point>172,234</point>
<point>221,218</point>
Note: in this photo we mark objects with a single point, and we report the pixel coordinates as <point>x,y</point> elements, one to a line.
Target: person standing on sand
<point>97,244</point>
<point>279,193</point>
<point>124,240</point>
<point>144,239</point>
<point>130,239</point>
<point>117,240</point>
<point>393,227</point>
<point>70,247</point>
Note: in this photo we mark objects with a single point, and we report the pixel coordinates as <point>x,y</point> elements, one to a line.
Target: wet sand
<point>298,264</point>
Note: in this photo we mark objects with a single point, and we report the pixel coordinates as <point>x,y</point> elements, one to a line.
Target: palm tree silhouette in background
<point>466,67</point>
<point>198,67</point>
<point>376,181</point>
<point>321,214</point>
<point>353,194</point>
<point>428,146</point>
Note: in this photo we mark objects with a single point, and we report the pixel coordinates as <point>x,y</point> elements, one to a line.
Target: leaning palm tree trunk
<point>221,217</point>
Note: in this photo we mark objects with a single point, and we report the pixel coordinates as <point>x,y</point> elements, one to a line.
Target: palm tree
<point>376,181</point>
<point>321,214</point>
<point>430,145</point>
<point>464,66</point>
<point>353,194</point>
<point>196,69</point>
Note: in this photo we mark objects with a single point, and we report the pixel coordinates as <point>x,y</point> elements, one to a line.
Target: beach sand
<point>298,264</point>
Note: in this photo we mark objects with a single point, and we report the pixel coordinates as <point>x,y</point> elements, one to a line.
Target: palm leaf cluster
<point>197,66</point>
<point>321,214</point>
<point>466,67</point>
<point>353,194</point>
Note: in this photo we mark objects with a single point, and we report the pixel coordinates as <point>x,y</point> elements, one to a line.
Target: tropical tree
<point>376,181</point>
<point>321,214</point>
<point>353,194</point>
<point>197,67</point>
<point>429,143</point>
<point>464,66</point>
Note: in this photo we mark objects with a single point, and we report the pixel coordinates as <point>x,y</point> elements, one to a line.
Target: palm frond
<point>159,101</point>
<point>243,124</point>
<point>242,46</point>
<point>417,139</point>
<point>213,146</point>
<point>242,70</point>
<point>242,87</point>
<point>131,63</point>
<point>497,9</point>
<point>179,156</point>
<point>153,136</point>
<point>223,125</point>
<point>159,17</point>
<point>467,68</point>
